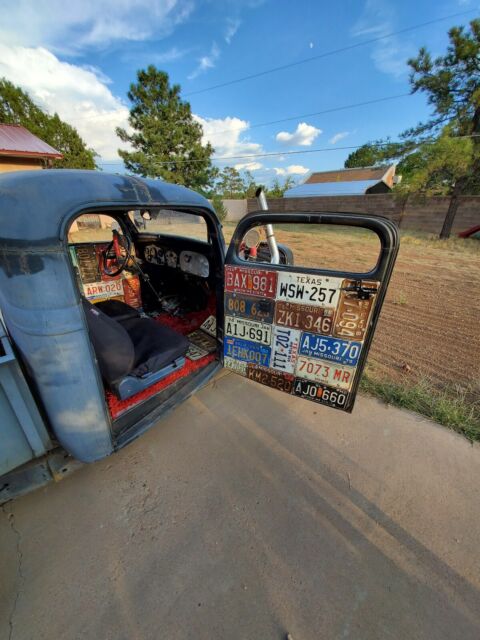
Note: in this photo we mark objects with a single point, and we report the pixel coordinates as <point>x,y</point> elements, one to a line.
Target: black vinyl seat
<point>132,353</point>
<point>117,309</point>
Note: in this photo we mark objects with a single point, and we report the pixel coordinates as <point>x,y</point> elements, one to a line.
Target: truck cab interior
<point>148,282</point>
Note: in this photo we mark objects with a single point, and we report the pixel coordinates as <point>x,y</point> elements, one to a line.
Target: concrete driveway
<point>249,514</point>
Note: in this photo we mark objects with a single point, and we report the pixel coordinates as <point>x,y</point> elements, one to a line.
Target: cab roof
<point>37,206</point>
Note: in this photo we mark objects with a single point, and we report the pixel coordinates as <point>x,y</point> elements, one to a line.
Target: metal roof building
<point>345,182</point>
<point>20,149</point>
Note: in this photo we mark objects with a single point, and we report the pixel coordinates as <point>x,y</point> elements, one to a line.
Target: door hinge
<point>363,292</point>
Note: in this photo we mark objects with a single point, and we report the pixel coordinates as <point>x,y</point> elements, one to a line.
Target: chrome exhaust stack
<point>271,240</point>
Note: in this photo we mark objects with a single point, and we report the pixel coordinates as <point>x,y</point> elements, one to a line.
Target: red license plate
<point>256,282</point>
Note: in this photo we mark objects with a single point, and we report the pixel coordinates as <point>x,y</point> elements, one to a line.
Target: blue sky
<point>80,61</point>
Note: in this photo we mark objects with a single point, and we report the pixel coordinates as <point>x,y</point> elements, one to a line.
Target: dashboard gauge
<point>171,258</point>
<point>194,263</point>
<point>154,254</point>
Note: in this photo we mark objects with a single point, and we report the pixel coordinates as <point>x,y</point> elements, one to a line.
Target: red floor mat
<point>185,325</point>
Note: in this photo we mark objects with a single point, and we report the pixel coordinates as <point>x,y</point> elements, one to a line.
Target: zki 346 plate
<point>321,291</point>
<point>284,349</point>
<point>249,307</point>
<point>248,329</point>
<point>333,349</point>
<point>330,374</point>
<point>270,378</point>
<point>256,282</point>
<point>305,317</point>
<point>319,393</point>
<point>246,351</point>
<point>353,314</point>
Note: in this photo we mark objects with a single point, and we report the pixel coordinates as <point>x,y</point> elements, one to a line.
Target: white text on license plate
<point>321,291</point>
<point>318,371</point>
<point>248,330</point>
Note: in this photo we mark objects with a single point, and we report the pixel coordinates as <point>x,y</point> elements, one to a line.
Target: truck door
<point>305,331</point>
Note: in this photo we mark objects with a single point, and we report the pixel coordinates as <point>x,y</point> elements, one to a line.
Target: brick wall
<point>427,215</point>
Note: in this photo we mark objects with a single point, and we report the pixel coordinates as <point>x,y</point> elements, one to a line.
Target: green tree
<point>17,107</point>
<point>278,188</point>
<point>230,183</point>
<point>166,139</point>
<point>219,207</point>
<point>368,155</point>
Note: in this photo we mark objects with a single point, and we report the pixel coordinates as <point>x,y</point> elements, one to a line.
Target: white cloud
<point>206,62</point>
<point>168,56</point>
<point>225,135</point>
<point>74,26</point>
<point>248,166</point>
<point>303,135</point>
<point>389,55</point>
<point>339,136</point>
<point>233,25</point>
<point>291,170</point>
<point>79,95</point>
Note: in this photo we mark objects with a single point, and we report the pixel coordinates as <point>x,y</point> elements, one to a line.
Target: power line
<point>288,153</point>
<point>325,54</point>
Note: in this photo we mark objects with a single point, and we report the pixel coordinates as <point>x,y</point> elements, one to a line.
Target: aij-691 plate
<point>305,317</point>
<point>334,375</point>
<point>333,349</point>
<point>320,393</point>
<point>305,288</point>
<point>249,307</point>
<point>246,351</point>
<point>248,329</point>
<point>353,313</point>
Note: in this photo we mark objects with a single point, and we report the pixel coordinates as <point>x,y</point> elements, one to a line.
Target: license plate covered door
<point>305,332</point>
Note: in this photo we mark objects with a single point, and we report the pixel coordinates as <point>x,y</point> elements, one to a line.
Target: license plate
<point>319,393</point>
<point>304,317</point>
<point>195,353</point>
<point>274,379</point>
<point>210,326</point>
<point>97,290</point>
<point>329,374</point>
<point>284,349</point>
<point>235,365</point>
<point>333,349</point>
<point>256,282</point>
<point>202,340</point>
<point>249,307</point>
<point>248,329</point>
<point>321,291</point>
<point>353,314</point>
<point>247,351</point>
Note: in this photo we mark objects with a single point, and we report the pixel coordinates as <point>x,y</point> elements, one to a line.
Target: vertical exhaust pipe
<point>271,240</point>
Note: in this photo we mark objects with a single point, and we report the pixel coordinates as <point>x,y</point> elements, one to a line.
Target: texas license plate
<point>304,317</point>
<point>247,351</point>
<point>333,349</point>
<point>321,291</point>
<point>329,374</point>
<point>274,379</point>
<point>284,349</point>
<point>248,329</point>
<point>256,282</point>
<point>353,314</point>
<point>319,393</point>
<point>249,307</point>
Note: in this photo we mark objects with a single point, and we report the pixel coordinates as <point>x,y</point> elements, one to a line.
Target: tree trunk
<point>450,217</point>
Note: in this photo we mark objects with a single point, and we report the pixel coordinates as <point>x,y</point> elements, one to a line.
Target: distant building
<point>346,182</point>
<point>20,150</point>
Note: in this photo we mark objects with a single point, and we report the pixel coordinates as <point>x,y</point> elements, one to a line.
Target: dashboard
<point>190,262</point>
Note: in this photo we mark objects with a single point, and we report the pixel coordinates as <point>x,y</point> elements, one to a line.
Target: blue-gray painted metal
<point>319,189</point>
<point>39,297</point>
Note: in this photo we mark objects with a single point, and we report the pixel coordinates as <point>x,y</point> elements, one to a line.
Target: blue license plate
<point>247,351</point>
<point>341,351</point>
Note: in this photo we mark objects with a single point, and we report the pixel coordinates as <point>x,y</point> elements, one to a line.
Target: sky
<point>79,58</point>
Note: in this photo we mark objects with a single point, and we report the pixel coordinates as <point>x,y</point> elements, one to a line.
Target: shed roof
<point>349,175</point>
<point>307,190</point>
<point>15,140</point>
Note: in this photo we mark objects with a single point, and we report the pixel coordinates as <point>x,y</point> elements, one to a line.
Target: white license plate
<point>248,330</point>
<point>210,326</point>
<point>333,375</point>
<point>304,288</point>
<point>107,289</point>
<point>235,365</point>
<point>284,349</point>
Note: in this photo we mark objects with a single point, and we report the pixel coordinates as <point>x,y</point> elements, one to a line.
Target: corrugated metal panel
<point>358,187</point>
<point>347,175</point>
<point>18,141</point>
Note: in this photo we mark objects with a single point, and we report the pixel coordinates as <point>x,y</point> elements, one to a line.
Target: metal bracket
<point>364,293</point>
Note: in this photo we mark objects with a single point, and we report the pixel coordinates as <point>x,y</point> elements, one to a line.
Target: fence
<point>426,215</point>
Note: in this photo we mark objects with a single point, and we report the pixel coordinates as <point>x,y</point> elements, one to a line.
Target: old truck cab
<point>120,299</point>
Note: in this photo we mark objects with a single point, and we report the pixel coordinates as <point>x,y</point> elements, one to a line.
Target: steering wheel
<point>117,255</point>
